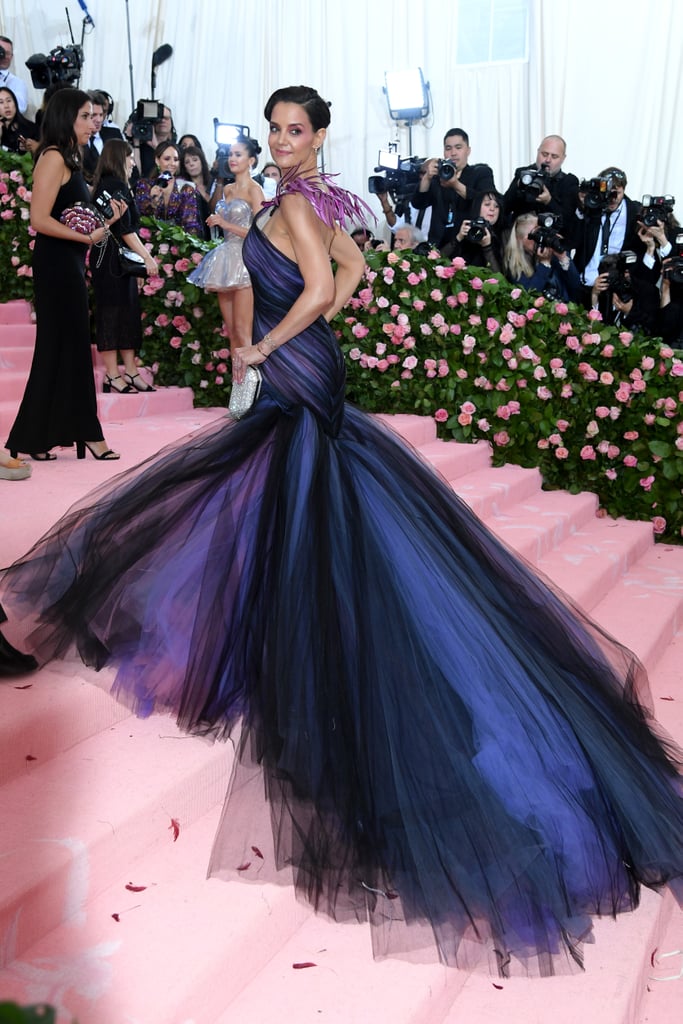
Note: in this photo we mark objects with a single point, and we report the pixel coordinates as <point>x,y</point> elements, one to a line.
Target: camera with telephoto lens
<point>546,234</point>
<point>143,119</point>
<point>478,228</point>
<point>656,209</point>
<point>616,265</point>
<point>396,176</point>
<point>447,170</point>
<point>597,192</point>
<point>531,181</point>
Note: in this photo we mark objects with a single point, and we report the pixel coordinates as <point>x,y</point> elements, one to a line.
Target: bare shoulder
<point>51,165</point>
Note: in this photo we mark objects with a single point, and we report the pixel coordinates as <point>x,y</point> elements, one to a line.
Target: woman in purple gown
<point>440,743</point>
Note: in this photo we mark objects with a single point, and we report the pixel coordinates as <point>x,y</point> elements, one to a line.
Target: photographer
<point>537,258</point>
<point>622,297</point>
<point>543,187</point>
<point>162,130</point>
<point>480,241</point>
<point>605,222</point>
<point>669,319</point>
<point>451,187</point>
<point>7,79</point>
<point>163,197</point>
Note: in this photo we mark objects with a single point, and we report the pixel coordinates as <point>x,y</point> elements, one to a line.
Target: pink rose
<point>464,419</point>
<point>602,412</point>
<point>587,453</point>
<point>501,438</point>
<point>630,461</point>
<point>543,443</point>
<point>562,425</point>
<point>611,474</point>
<point>561,453</point>
<point>646,483</point>
<point>468,407</point>
<point>659,524</point>
<point>440,415</point>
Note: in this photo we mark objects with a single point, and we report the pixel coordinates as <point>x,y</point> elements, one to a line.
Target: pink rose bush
<point>594,408</point>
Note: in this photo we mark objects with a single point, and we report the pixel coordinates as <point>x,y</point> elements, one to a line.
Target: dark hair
<point>97,97</point>
<point>316,107</point>
<point>57,125</point>
<point>163,146</point>
<point>252,147</point>
<point>615,172</point>
<point>271,163</point>
<point>493,194</point>
<point>112,161</point>
<point>457,131</point>
<point>196,151</point>
<point>195,140</point>
<point>6,39</point>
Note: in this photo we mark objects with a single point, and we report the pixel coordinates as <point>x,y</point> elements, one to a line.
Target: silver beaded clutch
<point>243,396</point>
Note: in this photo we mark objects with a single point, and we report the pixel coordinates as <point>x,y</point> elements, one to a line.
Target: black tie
<point>604,243</point>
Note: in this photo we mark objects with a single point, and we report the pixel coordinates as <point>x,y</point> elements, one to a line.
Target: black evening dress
<point>436,741</point>
<point>59,404</point>
<point>118,323</point>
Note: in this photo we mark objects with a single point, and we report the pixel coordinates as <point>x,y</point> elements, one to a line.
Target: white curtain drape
<point>607,79</point>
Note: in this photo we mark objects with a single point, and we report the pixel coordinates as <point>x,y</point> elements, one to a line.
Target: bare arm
<point>350,267</point>
<point>48,177</point>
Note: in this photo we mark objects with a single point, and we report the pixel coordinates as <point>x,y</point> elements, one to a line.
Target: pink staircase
<point>107,820</point>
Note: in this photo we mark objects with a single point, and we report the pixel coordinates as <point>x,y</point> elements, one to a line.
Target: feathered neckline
<point>332,204</point>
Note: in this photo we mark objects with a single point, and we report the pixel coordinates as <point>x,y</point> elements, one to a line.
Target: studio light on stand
<point>408,98</point>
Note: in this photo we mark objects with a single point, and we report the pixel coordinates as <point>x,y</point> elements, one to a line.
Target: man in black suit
<point>555,193</point>
<point>451,187</point>
<point>604,229</point>
<point>100,134</point>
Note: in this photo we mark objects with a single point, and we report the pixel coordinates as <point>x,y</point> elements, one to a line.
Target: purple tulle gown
<point>431,738</point>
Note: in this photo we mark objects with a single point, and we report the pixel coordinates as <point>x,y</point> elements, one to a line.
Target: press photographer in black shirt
<point>451,187</point>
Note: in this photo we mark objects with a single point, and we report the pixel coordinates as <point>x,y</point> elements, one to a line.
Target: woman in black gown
<point>118,323</point>
<point>432,739</point>
<point>59,404</point>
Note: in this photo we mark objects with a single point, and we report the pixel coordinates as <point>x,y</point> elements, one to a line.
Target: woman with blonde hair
<point>536,258</point>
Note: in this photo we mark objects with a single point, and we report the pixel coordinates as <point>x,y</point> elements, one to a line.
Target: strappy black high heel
<point>137,383</point>
<point>107,456</point>
<point>37,456</point>
<point>108,386</point>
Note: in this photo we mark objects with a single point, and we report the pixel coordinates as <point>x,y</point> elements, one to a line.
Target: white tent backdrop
<point>606,78</point>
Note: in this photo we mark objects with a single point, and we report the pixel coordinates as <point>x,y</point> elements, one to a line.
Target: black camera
<point>531,181</point>
<point>102,203</point>
<point>656,209</point>
<point>399,177</point>
<point>164,178</point>
<point>672,267</point>
<point>546,234</point>
<point>447,170</point>
<point>144,118</point>
<point>63,64</point>
<point>478,228</point>
<point>597,192</point>
<point>616,265</point>
<point>3,52</point>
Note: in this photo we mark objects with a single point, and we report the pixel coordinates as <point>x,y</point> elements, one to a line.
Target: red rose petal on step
<point>116,917</point>
<point>135,888</point>
<point>391,895</point>
<point>255,850</point>
<point>496,986</point>
<point>243,867</point>
<point>301,966</point>
<point>175,828</point>
<point>27,686</point>
<point>30,757</point>
<point>652,958</point>
<point>666,698</point>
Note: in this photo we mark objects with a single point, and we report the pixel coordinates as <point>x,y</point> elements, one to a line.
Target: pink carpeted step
<point>453,460</point>
<point>181,950</point>
<point>17,340</point>
<point>162,402</point>
<point>417,430</point>
<point>593,558</point>
<point>610,991</point>
<point>644,609</point>
<point>488,492</point>
<point>535,526</point>
<point>75,816</point>
<point>51,712</point>
<point>16,312</point>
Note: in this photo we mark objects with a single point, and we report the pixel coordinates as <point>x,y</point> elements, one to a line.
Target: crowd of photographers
<point>584,241</point>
